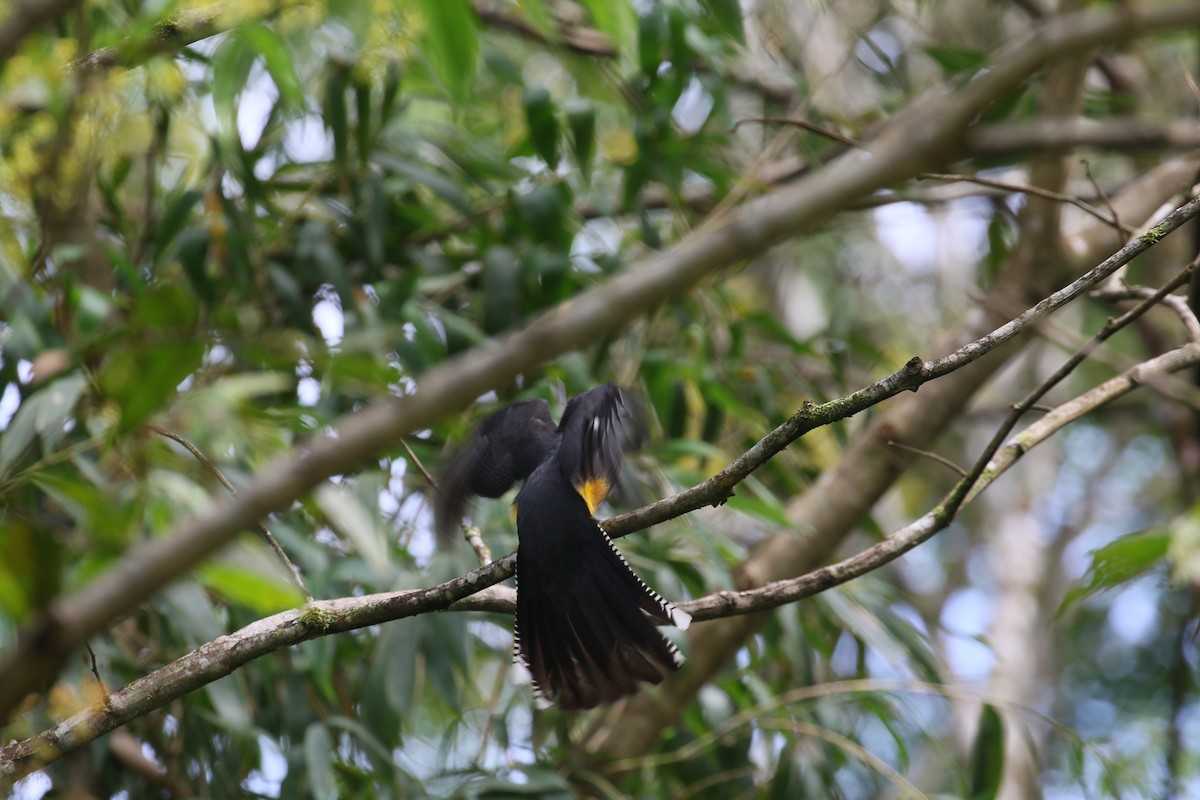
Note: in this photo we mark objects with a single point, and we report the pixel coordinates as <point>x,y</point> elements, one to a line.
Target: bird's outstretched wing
<point>504,449</point>
<point>593,428</point>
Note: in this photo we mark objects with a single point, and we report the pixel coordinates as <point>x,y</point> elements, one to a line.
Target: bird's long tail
<point>586,630</point>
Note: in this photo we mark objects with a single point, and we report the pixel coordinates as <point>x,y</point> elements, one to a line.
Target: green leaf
<point>141,378</point>
<point>765,510</point>
<point>230,704</point>
<point>954,60</point>
<point>19,434</point>
<point>347,515</point>
<point>652,35</point>
<point>362,121</point>
<point>260,593</point>
<point>987,756</point>
<point>728,16</point>
<point>501,284</point>
<point>170,225</point>
<point>541,117</point>
<point>93,508</point>
<point>230,69</point>
<point>451,44</point>
<point>58,406</point>
<point>538,782</point>
<point>318,755</point>
<point>439,184</point>
<point>1120,562</point>
<point>615,18</point>
<point>166,306</point>
<point>31,570</point>
<point>581,119</point>
<point>461,333</point>
<point>336,115</point>
<point>278,60</point>
<point>544,212</point>
<point>43,415</point>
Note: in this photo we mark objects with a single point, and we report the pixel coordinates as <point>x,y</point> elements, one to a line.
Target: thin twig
<point>1025,188</point>
<point>199,455</point>
<point>1176,303</point>
<point>1021,188</point>
<point>1189,78</point>
<point>796,122</point>
<point>945,462</point>
<point>1087,169</point>
<point>471,533</point>
<point>95,669</point>
<point>417,463</point>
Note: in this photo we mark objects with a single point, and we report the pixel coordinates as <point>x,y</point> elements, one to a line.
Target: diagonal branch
<point>25,16</point>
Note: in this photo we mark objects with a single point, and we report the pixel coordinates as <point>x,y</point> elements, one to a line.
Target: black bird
<point>585,621</point>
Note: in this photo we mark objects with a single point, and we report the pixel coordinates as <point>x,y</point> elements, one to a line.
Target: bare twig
<point>1018,409</point>
<point>420,466</point>
<point>1175,302</point>
<point>472,534</point>
<point>1025,188</point>
<point>199,455</point>
<point>932,456</point>
<point>804,124</point>
<point>474,538</point>
<point>95,669</point>
<point>1021,188</point>
<point>992,462</point>
<point>1182,357</point>
<point>1087,168</point>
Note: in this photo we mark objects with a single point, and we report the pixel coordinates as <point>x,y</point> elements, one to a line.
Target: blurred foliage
<point>240,222</point>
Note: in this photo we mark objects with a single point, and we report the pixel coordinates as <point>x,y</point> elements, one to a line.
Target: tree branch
<point>575,38</point>
<point>1058,136</point>
<point>171,35</point>
<point>24,16</point>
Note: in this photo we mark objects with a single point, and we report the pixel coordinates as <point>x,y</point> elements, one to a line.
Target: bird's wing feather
<point>502,450</point>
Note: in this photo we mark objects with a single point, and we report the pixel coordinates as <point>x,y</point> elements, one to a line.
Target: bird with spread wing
<point>586,623</point>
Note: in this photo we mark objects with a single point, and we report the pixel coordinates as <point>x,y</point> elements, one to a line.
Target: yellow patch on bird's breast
<point>593,491</point>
